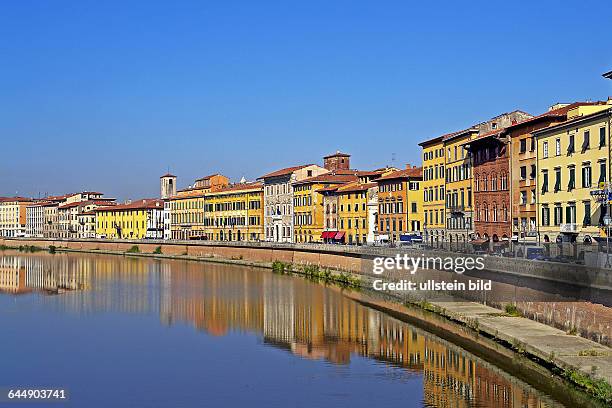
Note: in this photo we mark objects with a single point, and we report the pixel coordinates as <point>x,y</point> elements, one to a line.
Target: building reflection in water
<point>309,320</point>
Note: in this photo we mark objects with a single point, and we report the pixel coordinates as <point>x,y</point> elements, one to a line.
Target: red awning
<point>328,234</point>
<point>339,235</point>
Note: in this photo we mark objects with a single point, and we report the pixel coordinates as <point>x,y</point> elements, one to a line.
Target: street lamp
<point>607,220</point>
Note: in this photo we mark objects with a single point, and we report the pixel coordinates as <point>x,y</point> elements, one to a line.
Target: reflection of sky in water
<point>92,324</point>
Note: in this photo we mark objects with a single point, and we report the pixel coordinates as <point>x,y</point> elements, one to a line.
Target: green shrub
<point>133,250</point>
<point>52,249</point>
<point>512,310</point>
<point>158,250</point>
<point>278,267</point>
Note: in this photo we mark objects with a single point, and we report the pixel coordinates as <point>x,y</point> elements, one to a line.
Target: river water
<point>118,331</point>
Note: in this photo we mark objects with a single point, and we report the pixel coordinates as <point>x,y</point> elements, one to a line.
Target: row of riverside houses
<point>308,203</point>
<point>521,177</point>
<point>514,177</point>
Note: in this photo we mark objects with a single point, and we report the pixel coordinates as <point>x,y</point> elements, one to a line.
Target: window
<point>602,137</point>
<point>587,214</point>
<point>586,143</point>
<point>532,174</point>
<point>586,176</point>
<point>572,178</point>
<point>533,144</point>
<point>523,197</point>
<point>523,146</point>
<point>545,216</point>
<point>602,171</point>
<point>533,196</point>
<point>558,214</point>
<point>570,213</point>
<point>544,181</point>
<point>558,147</point>
<point>557,180</point>
<point>523,172</point>
<point>545,149</point>
<point>570,146</point>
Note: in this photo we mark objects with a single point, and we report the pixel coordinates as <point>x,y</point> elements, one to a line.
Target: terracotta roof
<point>576,119</point>
<point>371,172</point>
<point>559,112</point>
<point>432,141</point>
<point>283,172</point>
<point>105,202</point>
<point>209,177</point>
<point>331,177</point>
<point>356,186</point>
<point>338,153</point>
<point>414,172</point>
<point>167,175</point>
<point>12,199</point>
<point>88,212</point>
<point>238,187</point>
<point>144,204</point>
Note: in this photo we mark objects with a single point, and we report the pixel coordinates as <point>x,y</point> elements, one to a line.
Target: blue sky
<point>108,95</point>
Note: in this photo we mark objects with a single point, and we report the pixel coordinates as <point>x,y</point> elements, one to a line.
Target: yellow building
<point>137,220</point>
<point>433,189</point>
<point>573,161</point>
<point>187,207</point>
<point>308,205</point>
<point>357,212</point>
<point>400,203</point>
<point>458,186</point>
<point>234,213</point>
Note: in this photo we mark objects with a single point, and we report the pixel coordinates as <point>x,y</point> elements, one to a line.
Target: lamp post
<point>607,220</point>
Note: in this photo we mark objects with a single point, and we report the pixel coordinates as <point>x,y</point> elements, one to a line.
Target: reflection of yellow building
<point>572,160</point>
<point>234,213</point>
<point>137,220</point>
<point>308,208</point>
<point>12,275</point>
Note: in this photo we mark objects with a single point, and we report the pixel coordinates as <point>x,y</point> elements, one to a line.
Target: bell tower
<point>167,185</point>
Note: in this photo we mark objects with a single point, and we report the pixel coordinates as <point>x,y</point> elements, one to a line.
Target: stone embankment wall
<point>589,319</point>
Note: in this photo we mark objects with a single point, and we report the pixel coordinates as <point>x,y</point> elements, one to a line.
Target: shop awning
<point>339,235</point>
<point>328,234</point>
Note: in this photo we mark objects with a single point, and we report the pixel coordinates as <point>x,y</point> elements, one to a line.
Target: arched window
<point>485,209</point>
<point>484,183</point>
<point>494,212</point>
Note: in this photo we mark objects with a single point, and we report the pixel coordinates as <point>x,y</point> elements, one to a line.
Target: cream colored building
<point>278,200</point>
<point>13,216</point>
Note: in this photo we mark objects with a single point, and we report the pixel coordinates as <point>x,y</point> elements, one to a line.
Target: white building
<point>35,220</point>
<point>278,200</point>
<point>167,220</point>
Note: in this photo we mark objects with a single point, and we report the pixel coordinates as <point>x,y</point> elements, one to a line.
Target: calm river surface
<point>138,332</point>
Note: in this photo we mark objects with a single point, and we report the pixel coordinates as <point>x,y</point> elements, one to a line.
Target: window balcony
<point>568,228</point>
<point>456,209</point>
